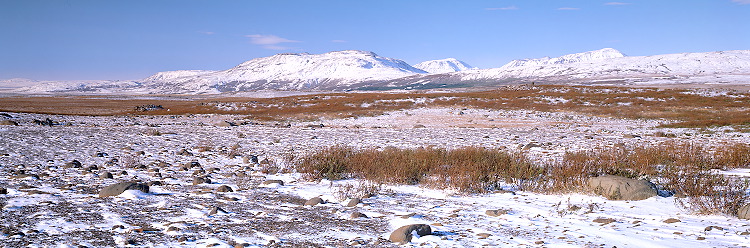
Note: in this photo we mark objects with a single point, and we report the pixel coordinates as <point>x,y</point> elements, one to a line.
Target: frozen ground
<point>51,205</point>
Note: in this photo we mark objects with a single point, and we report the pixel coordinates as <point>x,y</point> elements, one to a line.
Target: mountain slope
<point>601,54</point>
<point>444,66</point>
<point>293,71</point>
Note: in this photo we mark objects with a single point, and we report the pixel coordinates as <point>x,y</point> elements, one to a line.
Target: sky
<point>129,40</point>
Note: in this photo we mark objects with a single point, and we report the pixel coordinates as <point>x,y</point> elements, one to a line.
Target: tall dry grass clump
<point>684,169</point>
<point>468,169</point>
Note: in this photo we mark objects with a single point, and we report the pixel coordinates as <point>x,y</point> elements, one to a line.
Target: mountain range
<point>362,70</point>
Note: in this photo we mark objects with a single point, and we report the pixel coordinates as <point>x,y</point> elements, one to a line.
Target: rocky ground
<point>52,202</point>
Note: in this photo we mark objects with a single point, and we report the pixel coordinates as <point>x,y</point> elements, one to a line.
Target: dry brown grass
<point>676,167</point>
<point>685,107</point>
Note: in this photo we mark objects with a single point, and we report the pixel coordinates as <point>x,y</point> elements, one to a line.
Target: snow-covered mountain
<point>444,66</point>
<point>290,71</point>
<point>640,68</point>
<point>353,70</point>
<point>606,53</point>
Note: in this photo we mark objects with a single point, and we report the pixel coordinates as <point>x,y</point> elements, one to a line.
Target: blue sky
<point>101,39</point>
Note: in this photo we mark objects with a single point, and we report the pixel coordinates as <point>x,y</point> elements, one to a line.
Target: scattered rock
<point>184,152</point>
<point>106,175</point>
<point>671,220</point>
<point>353,202</point>
<point>225,124</point>
<point>622,188</point>
<point>269,182</point>
<point>709,228</point>
<point>224,188</point>
<point>314,201</point>
<point>199,180</point>
<point>216,210</point>
<point>73,164</point>
<point>483,235</point>
<point>3,191</point>
<point>355,215</point>
<point>118,188</point>
<point>8,123</point>
<point>497,212</point>
<point>604,221</point>
<point>404,234</point>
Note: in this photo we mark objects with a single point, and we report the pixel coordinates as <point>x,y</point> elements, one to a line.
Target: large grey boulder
<point>404,234</point>
<point>744,212</point>
<point>622,188</point>
<point>118,188</point>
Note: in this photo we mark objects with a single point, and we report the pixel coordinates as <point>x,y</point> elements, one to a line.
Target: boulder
<point>404,234</point>
<point>225,124</point>
<point>496,212</point>
<point>224,188</point>
<point>106,175</point>
<point>744,212</point>
<point>216,210</point>
<point>73,164</point>
<point>118,188</point>
<point>622,188</point>
<point>314,201</point>
<point>353,202</point>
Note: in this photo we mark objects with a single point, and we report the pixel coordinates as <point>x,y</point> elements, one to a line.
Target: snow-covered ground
<point>50,205</point>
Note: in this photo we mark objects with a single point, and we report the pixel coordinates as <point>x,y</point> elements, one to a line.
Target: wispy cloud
<point>741,1</point>
<point>617,3</point>
<point>568,8</point>
<point>206,32</point>
<point>269,41</point>
<point>339,41</point>
<point>503,8</point>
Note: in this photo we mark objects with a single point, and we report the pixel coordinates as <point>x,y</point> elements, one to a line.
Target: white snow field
<point>52,203</point>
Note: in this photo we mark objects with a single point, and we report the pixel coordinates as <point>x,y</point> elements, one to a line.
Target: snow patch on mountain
<point>444,66</point>
<point>295,71</point>
<point>170,75</point>
<point>601,54</point>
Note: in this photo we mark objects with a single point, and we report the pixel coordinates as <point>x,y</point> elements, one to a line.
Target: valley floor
<point>49,204</point>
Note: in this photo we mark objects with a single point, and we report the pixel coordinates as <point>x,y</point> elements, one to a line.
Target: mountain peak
<point>444,66</point>
<point>605,53</point>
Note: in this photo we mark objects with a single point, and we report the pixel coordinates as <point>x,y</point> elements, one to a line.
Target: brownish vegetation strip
<point>686,108</point>
<point>677,168</point>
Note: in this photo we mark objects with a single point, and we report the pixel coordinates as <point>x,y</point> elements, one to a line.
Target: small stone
<point>709,228</point>
<point>604,221</point>
<point>216,210</point>
<point>118,188</point>
<point>483,235</point>
<point>269,182</point>
<point>496,212</point>
<point>701,238</point>
<point>106,175</point>
<point>671,220</point>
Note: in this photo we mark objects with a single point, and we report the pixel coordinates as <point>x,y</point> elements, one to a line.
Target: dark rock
<point>73,164</point>
<point>118,188</point>
<point>184,152</point>
<point>671,220</point>
<point>216,210</point>
<point>404,234</point>
<point>3,191</point>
